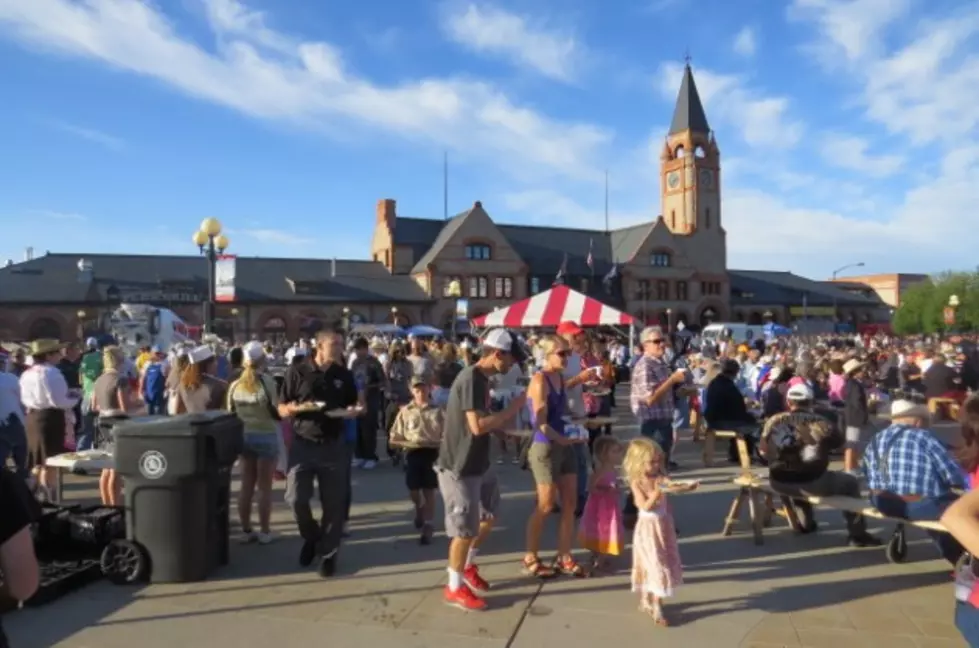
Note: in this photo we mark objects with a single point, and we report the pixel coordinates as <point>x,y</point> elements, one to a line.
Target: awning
<point>550,308</point>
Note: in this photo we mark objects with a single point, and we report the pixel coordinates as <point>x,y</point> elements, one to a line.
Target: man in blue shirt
<point>911,474</point>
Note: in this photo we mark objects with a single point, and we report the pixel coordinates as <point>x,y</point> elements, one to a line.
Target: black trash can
<point>177,472</point>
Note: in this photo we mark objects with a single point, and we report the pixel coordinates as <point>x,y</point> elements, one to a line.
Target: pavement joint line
<point>523,615</point>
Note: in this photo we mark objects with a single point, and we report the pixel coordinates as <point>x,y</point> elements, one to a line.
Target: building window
<point>642,289</point>
<point>478,287</point>
<point>446,282</point>
<point>503,287</point>
<point>660,260</point>
<point>662,290</point>
<point>673,219</point>
<point>479,252</point>
<point>534,285</point>
<point>681,291</point>
<point>710,287</point>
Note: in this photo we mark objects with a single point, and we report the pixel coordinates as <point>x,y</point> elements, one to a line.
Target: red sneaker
<point>463,598</point>
<point>471,577</point>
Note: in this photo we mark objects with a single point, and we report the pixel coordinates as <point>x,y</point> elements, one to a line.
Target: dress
<point>601,528</point>
<point>656,567</point>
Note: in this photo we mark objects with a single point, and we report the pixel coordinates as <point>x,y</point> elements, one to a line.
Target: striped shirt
<point>648,374</point>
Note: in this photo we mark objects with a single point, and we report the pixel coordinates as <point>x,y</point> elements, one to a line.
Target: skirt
<point>45,435</point>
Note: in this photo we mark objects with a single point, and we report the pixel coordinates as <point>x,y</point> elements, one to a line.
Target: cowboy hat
<point>905,409</point>
<point>852,365</point>
<point>45,346</point>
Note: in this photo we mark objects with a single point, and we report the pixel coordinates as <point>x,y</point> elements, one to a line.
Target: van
<point>739,332</point>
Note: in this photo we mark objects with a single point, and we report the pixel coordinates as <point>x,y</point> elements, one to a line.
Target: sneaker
<point>328,564</point>
<point>248,536</point>
<point>426,536</point>
<point>463,598</point>
<point>307,554</point>
<point>264,538</point>
<point>369,465</point>
<point>470,575</point>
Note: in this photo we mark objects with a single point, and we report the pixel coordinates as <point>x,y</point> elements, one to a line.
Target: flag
<point>610,277</point>
<point>591,257</point>
<point>562,272</point>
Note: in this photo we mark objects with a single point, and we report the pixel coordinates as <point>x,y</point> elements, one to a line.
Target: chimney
<point>478,204</point>
<point>386,212</point>
<point>333,267</point>
<point>28,254</point>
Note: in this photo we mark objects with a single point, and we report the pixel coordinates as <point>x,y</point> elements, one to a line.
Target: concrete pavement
<point>793,591</point>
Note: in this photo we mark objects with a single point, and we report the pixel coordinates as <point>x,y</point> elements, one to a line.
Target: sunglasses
<point>562,354</point>
<point>657,341</point>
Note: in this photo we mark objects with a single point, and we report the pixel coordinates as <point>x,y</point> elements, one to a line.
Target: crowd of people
<point>444,411</point>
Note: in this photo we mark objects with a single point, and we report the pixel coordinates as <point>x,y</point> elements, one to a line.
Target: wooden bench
<point>710,441</point>
<point>760,495</point>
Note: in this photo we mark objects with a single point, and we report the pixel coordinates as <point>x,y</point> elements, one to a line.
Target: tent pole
<point>632,337</point>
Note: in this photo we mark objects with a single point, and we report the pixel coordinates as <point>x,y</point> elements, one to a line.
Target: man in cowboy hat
<point>911,474</point>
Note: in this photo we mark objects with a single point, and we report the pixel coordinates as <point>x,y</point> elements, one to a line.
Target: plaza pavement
<point>794,591</point>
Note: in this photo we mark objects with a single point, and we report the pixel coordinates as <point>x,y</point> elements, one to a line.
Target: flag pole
<point>606,201</point>
<point>445,185</point>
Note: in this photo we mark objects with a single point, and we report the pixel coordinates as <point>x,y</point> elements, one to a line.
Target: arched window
<point>44,328</point>
<point>699,152</point>
<point>707,316</point>
<point>274,329</point>
<point>479,252</point>
<point>680,152</point>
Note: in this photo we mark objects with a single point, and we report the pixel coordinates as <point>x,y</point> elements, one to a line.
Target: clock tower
<point>690,168</point>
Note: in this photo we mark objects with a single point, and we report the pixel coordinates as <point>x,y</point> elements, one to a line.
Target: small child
<point>418,429</point>
<point>601,530</point>
<point>656,567</point>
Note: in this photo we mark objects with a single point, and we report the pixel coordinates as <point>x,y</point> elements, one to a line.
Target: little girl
<point>601,529</point>
<point>656,567</point>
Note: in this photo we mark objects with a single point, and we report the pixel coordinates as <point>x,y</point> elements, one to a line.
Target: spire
<point>689,112</point>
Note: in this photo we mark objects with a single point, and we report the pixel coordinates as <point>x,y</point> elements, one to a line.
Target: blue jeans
<point>681,413</point>
<point>660,431</point>
<point>85,439</point>
<point>967,622</point>
<point>13,444</point>
<point>928,508</point>
<point>157,406</point>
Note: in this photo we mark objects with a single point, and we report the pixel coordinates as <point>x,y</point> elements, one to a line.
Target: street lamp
<point>953,304</point>
<point>81,314</point>
<point>858,264</point>
<point>234,323</point>
<point>394,315</point>
<point>345,320</point>
<point>454,291</point>
<point>211,243</point>
<point>953,301</point>
<point>669,320</point>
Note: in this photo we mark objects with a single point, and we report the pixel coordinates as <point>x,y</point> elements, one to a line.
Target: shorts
<point>261,446</point>
<point>856,437</point>
<point>468,501</point>
<point>420,469</point>
<point>549,462</point>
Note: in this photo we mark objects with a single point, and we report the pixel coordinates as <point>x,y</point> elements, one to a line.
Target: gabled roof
<point>56,278</point>
<point>768,287</point>
<point>445,234</point>
<point>689,111</point>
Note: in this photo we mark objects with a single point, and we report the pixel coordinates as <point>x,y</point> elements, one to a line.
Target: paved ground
<point>794,591</point>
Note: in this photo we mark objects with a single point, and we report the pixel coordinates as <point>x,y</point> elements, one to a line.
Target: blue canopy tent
<point>423,330</point>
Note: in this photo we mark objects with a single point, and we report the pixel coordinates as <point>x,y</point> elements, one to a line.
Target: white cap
<point>800,392</point>
<point>253,352</point>
<point>92,343</point>
<point>200,354</point>
<point>499,339</point>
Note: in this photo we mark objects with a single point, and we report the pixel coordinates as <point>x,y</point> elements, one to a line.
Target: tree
<point>922,308</point>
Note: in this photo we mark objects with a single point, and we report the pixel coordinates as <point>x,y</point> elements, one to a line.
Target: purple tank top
<point>557,402</point>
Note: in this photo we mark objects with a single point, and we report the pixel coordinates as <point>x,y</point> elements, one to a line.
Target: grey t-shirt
<point>105,391</point>
<point>461,453</point>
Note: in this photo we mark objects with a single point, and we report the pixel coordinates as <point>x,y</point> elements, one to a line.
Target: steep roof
<point>689,111</point>
<point>56,278</point>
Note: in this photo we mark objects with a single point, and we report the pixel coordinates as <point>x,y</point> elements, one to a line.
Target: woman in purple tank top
<point>552,460</point>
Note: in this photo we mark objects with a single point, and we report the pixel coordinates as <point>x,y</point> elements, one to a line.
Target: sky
<point>848,129</point>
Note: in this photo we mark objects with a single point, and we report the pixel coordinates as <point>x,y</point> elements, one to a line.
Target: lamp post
<point>858,264</point>
<point>669,321</point>
<point>345,320</point>
<point>394,315</point>
<point>234,323</point>
<point>454,291</point>
<point>211,243</point>
<point>81,314</point>
<point>953,304</point>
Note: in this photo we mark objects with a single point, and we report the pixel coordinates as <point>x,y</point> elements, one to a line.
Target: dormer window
<point>302,287</point>
<point>660,260</point>
<point>479,252</point>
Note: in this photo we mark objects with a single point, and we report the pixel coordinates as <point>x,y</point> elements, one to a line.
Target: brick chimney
<point>387,212</point>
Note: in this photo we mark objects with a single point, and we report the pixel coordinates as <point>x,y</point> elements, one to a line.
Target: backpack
<point>154,382</point>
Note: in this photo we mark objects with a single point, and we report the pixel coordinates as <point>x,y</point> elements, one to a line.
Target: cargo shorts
<point>468,501</point>
<point>549,462</point>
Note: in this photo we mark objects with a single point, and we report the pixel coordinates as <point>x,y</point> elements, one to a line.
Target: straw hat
<point>45,346</point>
<point>851,366</point>
<point>905,409</point>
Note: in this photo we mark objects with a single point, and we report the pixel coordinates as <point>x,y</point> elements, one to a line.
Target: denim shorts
<point>261,446</point>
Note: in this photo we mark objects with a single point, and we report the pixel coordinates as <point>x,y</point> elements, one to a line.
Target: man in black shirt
<point>318,451</point>
<point>70,366</point>
<point>941,381</point>
<point>18,564</point>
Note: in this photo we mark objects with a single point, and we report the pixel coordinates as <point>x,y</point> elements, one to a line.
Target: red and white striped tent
<point>550,308</point>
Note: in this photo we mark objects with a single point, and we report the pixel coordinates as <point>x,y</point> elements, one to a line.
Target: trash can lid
<point>180,425</point>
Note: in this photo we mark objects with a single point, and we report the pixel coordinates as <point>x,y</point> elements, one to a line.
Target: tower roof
<point>689,112</point>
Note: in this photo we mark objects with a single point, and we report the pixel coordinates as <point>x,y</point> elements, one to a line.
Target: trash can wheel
<point>124,562</point>
<point>897,547</point>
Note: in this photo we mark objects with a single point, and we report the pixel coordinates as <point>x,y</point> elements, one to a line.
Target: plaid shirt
<point>648,374</point>
<point>916,463</point>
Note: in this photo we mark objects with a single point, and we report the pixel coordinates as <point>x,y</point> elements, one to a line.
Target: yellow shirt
<point>142,360</point>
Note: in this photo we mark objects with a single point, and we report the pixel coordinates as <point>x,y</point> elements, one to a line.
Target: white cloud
<point>746,43</point>
<point>759,119</point>
<point>854,29</point>
<point>104,140</point>
<point>277,237</point>
<point>853,153</point>
<point>304,82</point>
<point>548,206</point>
<point>51,214</point>
<point>487,29</point>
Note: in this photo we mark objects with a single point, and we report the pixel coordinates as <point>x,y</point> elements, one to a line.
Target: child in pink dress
<point>656,567</point>
<point>601,530</point>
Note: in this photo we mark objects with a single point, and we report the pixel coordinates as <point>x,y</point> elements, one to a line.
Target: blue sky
<point>848,128</point>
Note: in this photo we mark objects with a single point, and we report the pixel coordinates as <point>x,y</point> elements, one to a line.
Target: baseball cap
<point>418,381</point>
<point>569,328</point>
<point>91,343</point>
<point>254,352</point>
<point>800,392</point>
<point>503,340</point>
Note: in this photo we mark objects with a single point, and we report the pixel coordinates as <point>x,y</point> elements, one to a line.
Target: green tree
<point>923,305</point>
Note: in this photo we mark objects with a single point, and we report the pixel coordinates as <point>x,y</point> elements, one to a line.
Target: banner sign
<point>224,278</point>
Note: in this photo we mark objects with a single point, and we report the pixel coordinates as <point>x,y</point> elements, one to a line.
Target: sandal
<point>569,567</point>
<point>532,566</point>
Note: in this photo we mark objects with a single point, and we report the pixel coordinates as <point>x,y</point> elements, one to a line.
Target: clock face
<point>707,178</point>
<point>673,180</point>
